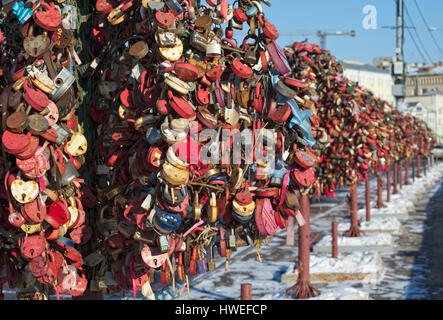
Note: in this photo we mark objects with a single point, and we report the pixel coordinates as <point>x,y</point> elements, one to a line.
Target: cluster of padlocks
<point>201,143</point>
<point>43,148</point>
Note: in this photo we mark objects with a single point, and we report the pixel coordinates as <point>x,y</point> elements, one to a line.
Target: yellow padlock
<point>116,16</point>
<point>31,228</point>
<point>77,145</point>
<point>73,211</point>
<point>213,211</point>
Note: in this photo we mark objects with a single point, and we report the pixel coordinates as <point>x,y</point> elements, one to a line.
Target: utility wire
<point>417,36</point>
<point>427,26</point>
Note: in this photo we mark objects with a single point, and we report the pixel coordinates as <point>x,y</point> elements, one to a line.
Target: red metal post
<point>395,191</point>
<point>368,199</point>
<point>400,175</point>
<point>413,170</point>
<point>246,291</point>
<point>334,240</point>
<point>388,184</point>
<point>418,166</point>
<point>303,289</point>
<point>304,237</point>
<point>407,172</point>
<point>379,189</point>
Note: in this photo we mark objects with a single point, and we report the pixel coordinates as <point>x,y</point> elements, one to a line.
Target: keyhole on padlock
<point>32,252</point>
<point>59,82</point>
<point>51,117</point>
<point>155,261</point>
<point>23,196</point>
<point>35,51</point>
<point>38,215</point>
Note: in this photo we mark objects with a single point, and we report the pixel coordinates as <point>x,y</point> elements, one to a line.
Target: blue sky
<point>301,16</point>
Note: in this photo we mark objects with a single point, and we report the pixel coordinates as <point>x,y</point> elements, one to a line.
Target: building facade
<point>420,83</point>
<point>429,108</point>
<point>377,80</point>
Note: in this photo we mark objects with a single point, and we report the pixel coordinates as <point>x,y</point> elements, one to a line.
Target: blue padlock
<point>175,6</point>
<point>23,14</point>
<point>252,12</point>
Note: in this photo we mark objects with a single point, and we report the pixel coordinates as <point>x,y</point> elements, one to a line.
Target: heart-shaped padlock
<point>32,246</point>
<point>24,192</point>
<point>49,18</point>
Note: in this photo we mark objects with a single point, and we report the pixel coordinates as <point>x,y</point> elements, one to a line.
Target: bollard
<point>246,291</point>
<point>407,172</point>
<point>368,199</point>
<point>400,177</point>
<point>379,189</point>
<point>304,238</point>
<point>418,166</point>
<point>334,239</point>
<point>425,164</point>
<point>413,170</point>
<point>388,185</point>
<point>354,230</point>
<point>395,191</point>
<point>303,289</point>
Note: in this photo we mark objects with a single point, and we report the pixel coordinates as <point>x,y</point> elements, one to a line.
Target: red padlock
<point>215,72</point>
<point>35,97</point>
<point>81,235</point>
<point>30,150</point>
<point>103,6</point>
<point>186,71</point>
<point>15,143</point>
<point>240,16</point>
<point>241,70</point>
<point>35,211</point>
<point>39,265</point>
<point>49,18</point>
<point>58,213</point>
<point>164,19</point>
<point>32,246</point>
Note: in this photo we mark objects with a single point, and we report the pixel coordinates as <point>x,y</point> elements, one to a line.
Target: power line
<point>411,22</point>
<point>418,36</point>
<point>417,47</point>
<point>428,28</point>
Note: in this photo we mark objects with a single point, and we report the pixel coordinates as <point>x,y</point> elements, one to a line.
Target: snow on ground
<point>353,262</point>
<point>373,239</point>
<point>334,293</point>
<point>389,224</point>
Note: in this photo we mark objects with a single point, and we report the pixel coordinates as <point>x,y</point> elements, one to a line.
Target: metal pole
<point>425,164</point>
<point>246,291</point>
<point>334,239</point>
<point>418,166</point>
<point>368,199</point>
<point>400,174</point>
<point>399,78</point>
<point>407,172</point>
<point>413,170</point>
<point>304,236</point>
<point>379,189</point>
<point>388,185</point>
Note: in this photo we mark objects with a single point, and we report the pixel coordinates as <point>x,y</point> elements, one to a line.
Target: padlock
<point>49,18</point>
<point>232,241</point>
<point>63,81</point>
<point>213,49</point>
